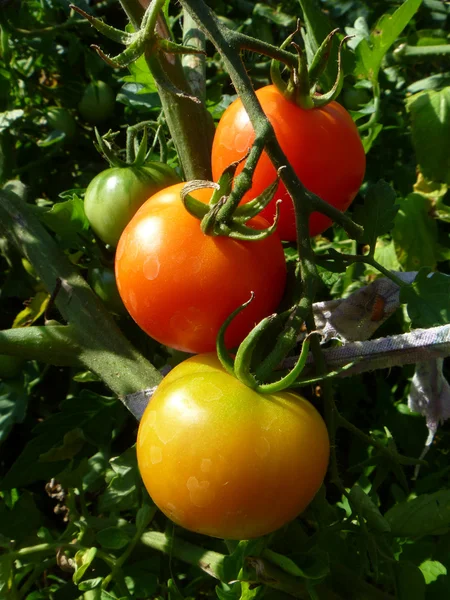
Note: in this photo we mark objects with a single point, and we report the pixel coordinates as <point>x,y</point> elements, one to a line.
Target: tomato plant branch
<point>104,349</point>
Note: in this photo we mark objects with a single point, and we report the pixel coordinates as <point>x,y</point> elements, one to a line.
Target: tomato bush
<point>179,285</point>
<point>114,195</point>
<point>224,460</point>
<point>322,144</point>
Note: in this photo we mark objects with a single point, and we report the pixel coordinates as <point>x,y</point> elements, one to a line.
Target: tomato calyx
<point>223,216</point>
<point>266,378</point>
<point>303,80</point>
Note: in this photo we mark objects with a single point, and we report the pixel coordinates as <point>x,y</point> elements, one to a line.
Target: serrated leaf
<point>122,491</point>
<point>67,219</point>
<point>86,412</point>
<point>427,299</point>
<point>83,560</point>
<point>34,309</point>
<point>13,405</point>
<point>424,515</point>
<point>377,213</point>
<point>415,233</point>
<point>430,124</point>
<point>113,538</point>
<point>370,53</point>
<point>368,510</point>
<point>72,443</point>
<point>410,584</point>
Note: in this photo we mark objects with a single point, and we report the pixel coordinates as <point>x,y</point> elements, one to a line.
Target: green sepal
<point>275,73</point>
<point>250,209</point>
<point>239,231</point>
<point>287,381</point>
<point>141,154</point>
<point>194,207</point>
<point>108,152</point>
<point>225,182</point>
<point>116,35</point>
<point>125,58</point>
<point>325,99</point>
<point>298,87</point>
<point>330,375</point>
<point>243,361</point>
<point>173,48</point>
<point>321,57</point>
<point>286,340</point>
<point>222,352</point>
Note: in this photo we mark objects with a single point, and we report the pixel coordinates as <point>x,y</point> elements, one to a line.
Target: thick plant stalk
<point>190,124</point>
<point>96,339</point>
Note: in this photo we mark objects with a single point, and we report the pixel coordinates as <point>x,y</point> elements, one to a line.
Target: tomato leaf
<point>139,89</point>
<point>415,233</point>
<point>430,122</point>
<point>13,405</point>
<point>377,213</point>
<point>125,482</point>
<point>424,515</point>
<point>84,412</point>
<point>12,522</point>
<point>410,583</point>
<point>368,510</point>
<point>427,299</point>
<point>83,560</point>
<point>370,53</point>
<point>113,538</point>
<point>34,309</point>
<point>67,219</point>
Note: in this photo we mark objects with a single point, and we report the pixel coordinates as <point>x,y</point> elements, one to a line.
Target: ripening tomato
<point>179,285</point>
<point>224,460</point>
<point>322,145</point>
<point>97,103</point>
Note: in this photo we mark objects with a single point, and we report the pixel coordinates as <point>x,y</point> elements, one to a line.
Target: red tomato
<point>179,285</point>
<point>224,460</point>
<point>322,144</point>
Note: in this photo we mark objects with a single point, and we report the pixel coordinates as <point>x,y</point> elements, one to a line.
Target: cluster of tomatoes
<point>216,456</point>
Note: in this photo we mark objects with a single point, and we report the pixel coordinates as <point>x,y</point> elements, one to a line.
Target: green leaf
<point>139,89</point>
<point>428,299</point>
<point>432,569</point>
<point>144,517</point>
<point>72,443</point>
<point>34,309</point>
<point>122,491</point>
<point>425,515</point>
<point>415,233</point>
<point>368,510</point>
<point>430,122</point>
<point>113,538</point>
<point>410,584</point>
<point>377,213</point>
<point>14,398</point>
<point>83,560</point>
<point>5,574</point>
<point>94,415</point>
<point>13,525</point>
<point>309,565</point>
<point>370,53</point>
<point>9,117</point>
<point>385,254</point>
<point>67,219</point>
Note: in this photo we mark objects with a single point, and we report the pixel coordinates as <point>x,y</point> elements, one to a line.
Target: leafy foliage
<point>75,519</point>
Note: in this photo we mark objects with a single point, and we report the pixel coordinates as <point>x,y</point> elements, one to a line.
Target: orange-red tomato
<point>224,460</point>
<point>322,144</point>
<point>179,285</point>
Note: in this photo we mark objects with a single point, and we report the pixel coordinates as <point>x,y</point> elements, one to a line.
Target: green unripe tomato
<point>97,103</point>
<point>61,119</point>
<point>354,98</point>
<point>103,282</point>
<point>114,195</point>
<point>10,366</point>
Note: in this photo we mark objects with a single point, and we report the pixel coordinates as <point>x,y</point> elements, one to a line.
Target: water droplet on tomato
<point>151,268</point>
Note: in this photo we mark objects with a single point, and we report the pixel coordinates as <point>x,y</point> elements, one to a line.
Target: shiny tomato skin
<point>179,285</point>
<point>115,194</point>
<point>322,144</point>
<point>223,460</point>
